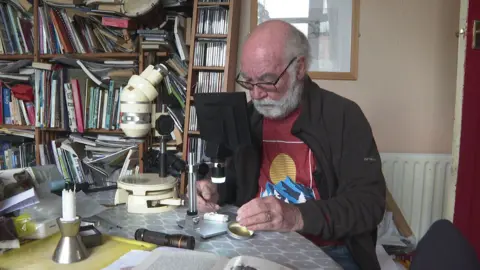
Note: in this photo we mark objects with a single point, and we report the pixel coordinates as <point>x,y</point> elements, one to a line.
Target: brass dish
<point>237,231</point>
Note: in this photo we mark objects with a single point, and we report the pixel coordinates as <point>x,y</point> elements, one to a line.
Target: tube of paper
<point>68,204</point>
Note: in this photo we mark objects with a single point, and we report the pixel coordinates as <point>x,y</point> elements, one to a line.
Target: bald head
<point>275,58</point>
<point>267,42</point>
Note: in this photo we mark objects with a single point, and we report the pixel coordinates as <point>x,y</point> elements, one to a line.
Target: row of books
<point>107,157</point>
<point>16,24</point>
<point>171,37</point>
<point>14,156</point>
<point>77,104</point>
<point>103,110</point>
<point>210,52</point>
<point>15,111</point>
<point>50,99</point>
<point>97,160</point>
<point>176,86</point>
<point>73,105</point>
<point>62,153</point>
<point>71,30</point>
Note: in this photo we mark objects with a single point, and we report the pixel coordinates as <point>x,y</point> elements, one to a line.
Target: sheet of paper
<point>168,259</point>
<point>129,260</point>
<point>18,201</point>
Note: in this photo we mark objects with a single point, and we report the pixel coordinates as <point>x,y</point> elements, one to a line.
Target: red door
<point>467,199</point>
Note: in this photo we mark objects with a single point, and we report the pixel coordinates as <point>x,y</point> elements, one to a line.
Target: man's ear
<point>301,68</point>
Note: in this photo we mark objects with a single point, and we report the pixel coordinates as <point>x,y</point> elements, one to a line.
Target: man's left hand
<point>270,214</point>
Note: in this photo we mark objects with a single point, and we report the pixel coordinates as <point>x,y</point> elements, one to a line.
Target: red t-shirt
<point>284,155</point>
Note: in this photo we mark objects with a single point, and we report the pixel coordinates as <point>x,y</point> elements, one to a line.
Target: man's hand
<point>207,196</point>
<point>270,214</point>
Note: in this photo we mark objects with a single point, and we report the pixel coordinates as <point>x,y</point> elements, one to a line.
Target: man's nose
<point>258,93</point>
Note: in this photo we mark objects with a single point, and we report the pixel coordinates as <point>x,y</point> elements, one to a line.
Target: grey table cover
<point>289,249</point>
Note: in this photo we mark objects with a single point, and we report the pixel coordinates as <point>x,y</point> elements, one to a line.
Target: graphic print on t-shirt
<point>287,167</point>
<point>287,163</point>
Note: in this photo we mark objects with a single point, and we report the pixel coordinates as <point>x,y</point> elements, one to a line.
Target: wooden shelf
<point>160,54</point>
<point>104,131</point>
<point>210,36</point>
<point>118,55</point>
<point>55,129</point>
<point>214,3</point>
<point>209,68</point>
<point>23,127</point>
<point>16,56</point>
<point>169,143</point>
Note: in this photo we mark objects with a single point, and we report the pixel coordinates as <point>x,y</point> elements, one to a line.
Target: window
<point>328,25</point>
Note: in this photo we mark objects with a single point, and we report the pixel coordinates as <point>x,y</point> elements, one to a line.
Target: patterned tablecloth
<point>289,249</point>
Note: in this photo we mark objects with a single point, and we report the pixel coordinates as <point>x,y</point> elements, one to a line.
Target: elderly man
<point>313,151</point>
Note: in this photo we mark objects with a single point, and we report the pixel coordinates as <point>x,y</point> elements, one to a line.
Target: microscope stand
<point>193,224</point>
<point>200,228</point>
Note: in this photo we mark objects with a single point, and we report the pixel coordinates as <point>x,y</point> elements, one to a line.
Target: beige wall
<point>407,72</point>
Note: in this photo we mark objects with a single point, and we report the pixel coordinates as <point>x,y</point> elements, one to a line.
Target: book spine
<point>106,124</point>
<point>114,110</point>
<point>1,104</point>
<point>70,107</point>
<point>6,105</point>
<point>62,33</point>
<point>30,111</point>
<point>104,109</point>
<point>118,22</point>
<point>118,108</point>
<point>91,107</point>
<point>53,103</point>
<point>24,112</point>
<point>77,100</point>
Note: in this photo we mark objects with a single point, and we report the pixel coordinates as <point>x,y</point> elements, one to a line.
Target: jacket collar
<point>308,112</point>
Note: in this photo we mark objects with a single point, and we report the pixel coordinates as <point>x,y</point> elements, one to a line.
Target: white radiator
<point>417,183</point>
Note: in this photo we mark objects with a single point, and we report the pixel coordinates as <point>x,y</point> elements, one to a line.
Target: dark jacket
<point>348,174</point>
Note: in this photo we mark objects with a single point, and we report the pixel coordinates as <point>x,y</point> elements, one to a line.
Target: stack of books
<point>16,24</point>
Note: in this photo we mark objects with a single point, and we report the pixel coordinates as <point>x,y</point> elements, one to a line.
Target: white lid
<point>218,180</point>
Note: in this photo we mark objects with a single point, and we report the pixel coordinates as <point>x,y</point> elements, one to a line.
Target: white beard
<point>278,109</point>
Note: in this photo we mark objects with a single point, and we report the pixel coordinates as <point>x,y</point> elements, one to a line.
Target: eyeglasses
<point>265,86</point>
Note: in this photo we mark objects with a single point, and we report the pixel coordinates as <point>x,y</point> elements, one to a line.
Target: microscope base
<point>200,228</point>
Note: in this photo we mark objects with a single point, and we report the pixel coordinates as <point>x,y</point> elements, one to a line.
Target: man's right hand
<point>207,196</point>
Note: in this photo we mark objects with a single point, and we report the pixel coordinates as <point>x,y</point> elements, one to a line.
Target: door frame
<point>451,182</point>
<point>467,206</point>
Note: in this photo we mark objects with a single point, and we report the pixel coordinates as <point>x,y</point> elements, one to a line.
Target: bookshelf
<point>212,70</point>
<point>195,71</point>
<point>44,135</point>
